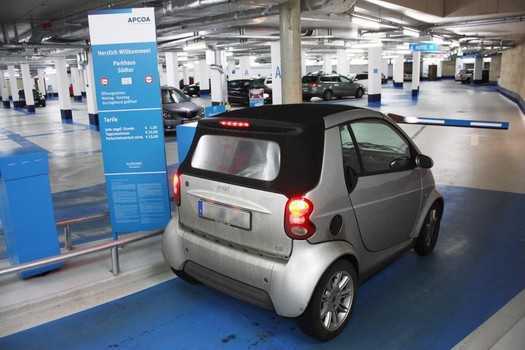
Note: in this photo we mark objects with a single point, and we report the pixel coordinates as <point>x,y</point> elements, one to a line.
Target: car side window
<point>344,79</point>
<point>382,149</point>
<point>350,157</point>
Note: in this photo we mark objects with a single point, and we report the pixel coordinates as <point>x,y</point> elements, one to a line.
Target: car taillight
<point>314,85</point>
<point>176,188</point>
<point>234,124</point>
<point>297,222</point>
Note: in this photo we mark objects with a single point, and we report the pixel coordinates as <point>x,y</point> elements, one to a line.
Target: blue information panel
<point>124,49</point>
<point>424,47</point>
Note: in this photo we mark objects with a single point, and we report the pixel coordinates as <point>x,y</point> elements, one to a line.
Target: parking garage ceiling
<point>57,27</point>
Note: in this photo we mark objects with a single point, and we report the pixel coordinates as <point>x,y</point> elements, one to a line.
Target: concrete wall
<point>512,74</point>
<point>495,68</point>
<point>448,69</point>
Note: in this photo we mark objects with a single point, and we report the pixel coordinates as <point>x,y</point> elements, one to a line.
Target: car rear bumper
<point>282,285</point>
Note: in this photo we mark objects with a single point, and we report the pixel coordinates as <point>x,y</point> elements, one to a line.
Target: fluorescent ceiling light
<point>375,35</point>
<point>199,46</point>
<point>365,23</point>
<point>411,32</point>
<point>395,20</point>
<point>366,18</point>
<point>366,45</point>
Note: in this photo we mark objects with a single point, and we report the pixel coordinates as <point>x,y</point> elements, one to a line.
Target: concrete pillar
<point>64,102</point>
<point>91,95</point>
<point>275,54</point>
<point>185,75</point>
<point>374,76</point>
<point>327,64</point>
<point>343,63</point>
<point>459,65</point>
<point>4,90</point>
<point>75,80</point>
<point>163,79</point>
<point>478,70</point>
<point>439,72</point>
<point>416,73</point>
<point>172,73</point>
<point>290,33</point>
<point>384,69</point>
<point>13,86</point>
<point>218,78</point>
<point>398,71</point>
<point>82,80</point>
<point>303,64</point>
<point>28,87</point>
<point>204,77</point>
<point>244,67</point>
<point>41,81</point>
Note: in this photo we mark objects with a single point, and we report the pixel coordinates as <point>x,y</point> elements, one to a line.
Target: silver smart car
<point>290,207</point>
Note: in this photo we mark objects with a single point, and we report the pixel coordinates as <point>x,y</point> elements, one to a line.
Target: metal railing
<point>71,254</point>
<point>68,241</point>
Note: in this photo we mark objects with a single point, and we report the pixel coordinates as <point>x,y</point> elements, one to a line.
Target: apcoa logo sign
<point>142,19</point>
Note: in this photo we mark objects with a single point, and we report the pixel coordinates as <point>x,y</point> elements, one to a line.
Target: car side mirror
<point>424,162</point>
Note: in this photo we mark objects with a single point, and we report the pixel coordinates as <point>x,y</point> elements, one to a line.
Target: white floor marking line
<point>495,125</point>
<point>499,327</point>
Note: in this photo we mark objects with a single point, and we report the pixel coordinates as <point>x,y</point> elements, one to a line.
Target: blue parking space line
<point>21,140</point>
<point>415,303</point>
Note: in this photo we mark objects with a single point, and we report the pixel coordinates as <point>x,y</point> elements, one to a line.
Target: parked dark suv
<point>177,108</point>
<point>239,91</point>
<point>328,86</point>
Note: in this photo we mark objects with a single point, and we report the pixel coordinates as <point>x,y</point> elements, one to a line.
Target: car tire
<point>328,95</point>
<point>184,276</point>
<point>313,321</point>
<point>359,93</point>
<point>428,235</point>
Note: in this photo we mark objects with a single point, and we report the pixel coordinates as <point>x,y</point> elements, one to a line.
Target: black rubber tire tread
<point>420,246</point>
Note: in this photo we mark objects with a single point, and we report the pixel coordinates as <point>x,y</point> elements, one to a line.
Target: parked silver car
<point>328,86</point>
<point>291,207</point>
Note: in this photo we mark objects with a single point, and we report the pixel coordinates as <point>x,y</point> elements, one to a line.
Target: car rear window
<point>310,79</point>
<point>238,156</point>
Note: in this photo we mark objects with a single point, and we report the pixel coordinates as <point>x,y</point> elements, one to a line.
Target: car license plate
<point>230,216</point>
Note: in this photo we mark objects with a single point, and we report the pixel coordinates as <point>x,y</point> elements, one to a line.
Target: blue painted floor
<point>415,303</point>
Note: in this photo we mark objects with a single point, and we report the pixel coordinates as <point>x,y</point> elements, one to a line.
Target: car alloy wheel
<point>336,300</point>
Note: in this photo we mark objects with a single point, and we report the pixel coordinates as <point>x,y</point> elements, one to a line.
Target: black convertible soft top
<point>298,129</point>
<point>303,113</point>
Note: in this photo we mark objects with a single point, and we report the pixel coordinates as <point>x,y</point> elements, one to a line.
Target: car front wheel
<point>332,302</point>
<point>359,93</point>
<point>426,241</point>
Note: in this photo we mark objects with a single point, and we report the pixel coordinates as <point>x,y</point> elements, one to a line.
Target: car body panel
<point>265,234</point>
